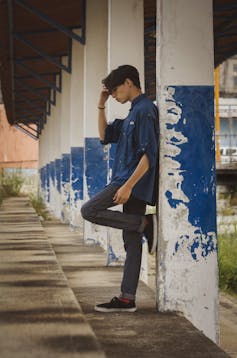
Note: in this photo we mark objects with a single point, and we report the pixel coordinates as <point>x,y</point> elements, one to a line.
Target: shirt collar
<point>137,99</point>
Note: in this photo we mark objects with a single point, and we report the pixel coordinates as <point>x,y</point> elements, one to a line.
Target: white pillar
<point>125,46</point>
<point>95,70</point>
<point>65,144</point>
<point>187,253</point>
<point>77,134</point>
<point>54,121</point>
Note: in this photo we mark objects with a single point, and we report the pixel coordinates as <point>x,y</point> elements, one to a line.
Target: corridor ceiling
<point>36,34</point>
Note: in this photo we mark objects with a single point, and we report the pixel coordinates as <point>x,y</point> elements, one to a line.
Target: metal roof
<point>35,35</point>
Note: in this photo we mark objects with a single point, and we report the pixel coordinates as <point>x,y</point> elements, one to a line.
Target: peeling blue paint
<point>47,182</point>
<point>112,151</point>
<point>77,169</point>
<point>111,256</point>
<point>95,166</point>
<point>65,177</point>
<point>43,182</point>
<point>173,202</point>
<point>52,171</point>
<point>58,174</point>
<point>193,109</point>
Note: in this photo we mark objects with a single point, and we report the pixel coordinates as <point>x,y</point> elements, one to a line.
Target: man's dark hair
<point>118,76</point>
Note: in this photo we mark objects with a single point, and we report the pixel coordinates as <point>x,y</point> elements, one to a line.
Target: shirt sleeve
<point>146,137</point>
<point>112,132</point>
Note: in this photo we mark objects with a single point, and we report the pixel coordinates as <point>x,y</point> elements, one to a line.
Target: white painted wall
<point>65,139</point>
<point>125,46</point>
<point>184,42</point>
<point>95,69</point>
<point>184,58</point>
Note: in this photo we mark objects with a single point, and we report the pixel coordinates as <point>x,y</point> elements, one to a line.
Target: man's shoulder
<point>146,106</point>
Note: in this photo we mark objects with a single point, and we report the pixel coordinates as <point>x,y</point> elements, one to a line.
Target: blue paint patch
<point>58,174</point>
<point>43,182</point>
<point>197,163</point>
<point>77,169</point>
<point>52,172</point>
<point>111,256</point>
<point>173,202</point>
<point>48,182</point>
<point>112,152</point>
<point>65,177</point>
<point>96,166</point>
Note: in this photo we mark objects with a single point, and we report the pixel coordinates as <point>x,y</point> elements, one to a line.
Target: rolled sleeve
<point>147,139</point>
<point>112,132</point>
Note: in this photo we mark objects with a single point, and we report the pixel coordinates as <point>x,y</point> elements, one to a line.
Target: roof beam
<point>42,53</point>
<point>10,24</point>
<point>33,90</point>
<point>26,132</point>
<point>38,76</point>
<point>50,21</point>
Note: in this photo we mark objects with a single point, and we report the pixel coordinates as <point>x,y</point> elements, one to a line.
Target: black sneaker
<point>116,305</point>
<point>150,232</point>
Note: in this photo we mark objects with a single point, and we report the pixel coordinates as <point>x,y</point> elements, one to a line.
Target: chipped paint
<point>190,135</point>
<point>96,158</point>
<point>187,254</point>
<point>76,191</point>
<point>65,187</point>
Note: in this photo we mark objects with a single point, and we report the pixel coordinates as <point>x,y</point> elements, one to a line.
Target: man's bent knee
<point>86,212</point>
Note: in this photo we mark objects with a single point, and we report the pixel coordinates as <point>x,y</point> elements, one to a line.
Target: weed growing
<point>228,262</point>
<point>39,206</point>
<point>10,185</point>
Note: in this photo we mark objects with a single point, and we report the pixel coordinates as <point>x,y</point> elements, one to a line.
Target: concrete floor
<point>49,283</point>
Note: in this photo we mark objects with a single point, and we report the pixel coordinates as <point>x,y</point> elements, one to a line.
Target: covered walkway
<point>50,281</point>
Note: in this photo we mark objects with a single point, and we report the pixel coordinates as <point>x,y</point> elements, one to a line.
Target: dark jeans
<point>131,221</point>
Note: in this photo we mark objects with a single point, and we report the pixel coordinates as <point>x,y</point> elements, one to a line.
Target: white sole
<point>101,309</point>
<point>155,234</point>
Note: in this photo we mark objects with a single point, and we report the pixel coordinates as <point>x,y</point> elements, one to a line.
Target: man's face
<point>122,92</point>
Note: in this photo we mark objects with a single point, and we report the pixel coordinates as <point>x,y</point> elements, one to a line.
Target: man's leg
<point>133,247</point>
<point>96,210</point>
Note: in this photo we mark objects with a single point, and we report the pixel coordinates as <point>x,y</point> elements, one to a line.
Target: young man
<point>133,181</point>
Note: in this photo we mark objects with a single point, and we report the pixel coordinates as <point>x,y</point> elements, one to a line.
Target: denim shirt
<point>135,135</point>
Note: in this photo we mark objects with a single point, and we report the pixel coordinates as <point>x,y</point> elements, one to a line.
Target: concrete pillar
<point>42,189</point>
<point>187,254</point>
<point>126,28</point>
<point>95,68</point>
<point>65,145</point>
<point>54,155</point>
<point>76,135</point>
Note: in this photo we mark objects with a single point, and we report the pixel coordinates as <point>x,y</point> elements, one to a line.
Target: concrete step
<point>49,284</point>
<point>39,315</point>
<point>144,334</point>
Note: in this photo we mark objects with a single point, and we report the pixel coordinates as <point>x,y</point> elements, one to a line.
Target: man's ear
<point>129,82</point>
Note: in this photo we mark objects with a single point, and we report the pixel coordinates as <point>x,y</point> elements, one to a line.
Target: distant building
<point>228,78</point>
<point>18,153</point>
<point>228,107</point>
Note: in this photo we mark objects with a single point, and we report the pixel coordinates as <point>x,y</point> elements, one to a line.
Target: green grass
<point>228,262</point>
<point>39,206</point>
<point>10,185</point>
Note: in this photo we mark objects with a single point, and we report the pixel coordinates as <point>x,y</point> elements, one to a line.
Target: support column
<point>55,157</point>
<point>65,145</point>
<point>126,28</point>
<point>95,69</point>
<point>77,135</point>
<point>187,253</point>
